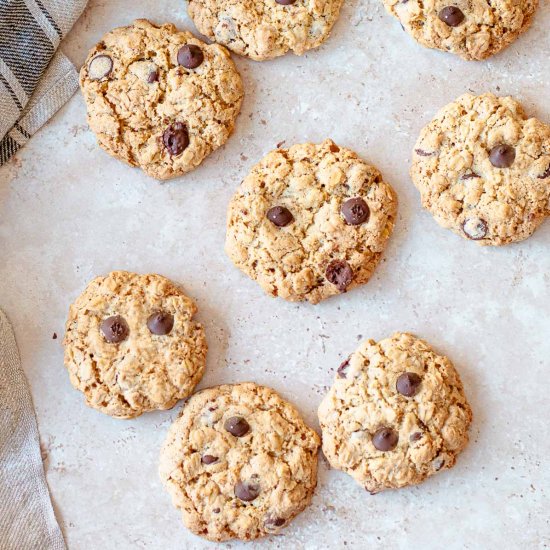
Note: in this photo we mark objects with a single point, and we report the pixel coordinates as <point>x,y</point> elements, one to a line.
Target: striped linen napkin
<point>27,520</point>
<point>35,81</point>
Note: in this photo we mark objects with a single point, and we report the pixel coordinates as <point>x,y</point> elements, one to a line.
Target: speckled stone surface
<point>69,212</point>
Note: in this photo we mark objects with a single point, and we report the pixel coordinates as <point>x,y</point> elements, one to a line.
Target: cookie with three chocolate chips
<point>239,462</point>
<point>132,344</point>
<point>264,29</point>
<point>395,414</point>
<point>483,169</point>
<point>310,222</point>
<point>159,98</point>
<point>471,29</point>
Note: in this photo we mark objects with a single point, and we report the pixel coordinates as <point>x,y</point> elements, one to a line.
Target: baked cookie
<point>131,344</point>
<point>395,415</point>
<point>159,98</point>
<point>310,221</point>
<point>264,29</point>
<point>472,29</point>
<point>239,462</point>
<point>483,169</point>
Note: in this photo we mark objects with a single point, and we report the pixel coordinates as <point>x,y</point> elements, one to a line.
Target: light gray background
<point>69,212</point>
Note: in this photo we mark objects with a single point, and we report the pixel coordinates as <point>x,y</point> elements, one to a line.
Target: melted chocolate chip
<point>339,273</point>
<point>502,156</point>
<point>114,329</point>
<point>237,426</point>
<point>452,16</point>
<point>545,174</point>
<point>355,211</point>
<point>247,490</point>
<point>160,323</point>
<point>274,522</point>
<point>190,56</point>
<point>176,138</point>
<point>475,228</point>
<point>100,67</point>
<point>343,369</point>
<point>153,77</point>
<point>408,384</point>
<point>385,439</point>
<point>286,2</point>
<point>279,216</point>
<point>416,436</point>
<point>209,459</point>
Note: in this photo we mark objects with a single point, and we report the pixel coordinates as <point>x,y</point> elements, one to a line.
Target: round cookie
<point>483,169</point>
<point>395,415</point>
<point>159,98</point>
<point>131,344</point>
<point>310,222</point>
<point>472,29</point>
<point>239,462</point>
<point>264,29</point>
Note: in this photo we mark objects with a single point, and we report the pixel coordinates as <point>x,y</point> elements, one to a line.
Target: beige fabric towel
<point>27,520</point>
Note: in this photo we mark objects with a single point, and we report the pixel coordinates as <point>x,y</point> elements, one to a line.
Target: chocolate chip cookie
<point>395,415</point>
<point>239,462</point>
<point>131,344</point>
<point>264,29</point>
<point>483,169</point>
<point>159,98</point>
<point>472,29</point>
<point>310,222</point>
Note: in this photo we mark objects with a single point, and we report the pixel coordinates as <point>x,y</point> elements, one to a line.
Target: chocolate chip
<point>469,176</point>
<point>355,211</point>
<point>176,138</point>
<point>416,436</point>
<point>502,156</point>
<point>408,384</point>
<point>280,216</point>
<point>247,490</point>
<point>153,77</point>
<point>475,228</point>
<point>274,522</point>
<point>114,329</point>
<point>100,67</point>
<point>339,273</point>
<point>545,174</point>
<point>423,153</point>
<point>160,323</point>
<point>190,56</point>
<point>209,459</point>
<point>216,510</point>
<point>385,439</point>
<point>237,426</point>
<point>451,15</point>
<point>343,369</point>
<point>286,2</point>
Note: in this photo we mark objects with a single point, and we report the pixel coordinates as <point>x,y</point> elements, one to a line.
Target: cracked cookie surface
<point>472,29</point>
<point>483,169</point>
<point>310,222</point>
<point>239,462</point>
<point>131,344</point>
<point>264,29</point>
<point>159,98</point>
<point>395,415</point>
